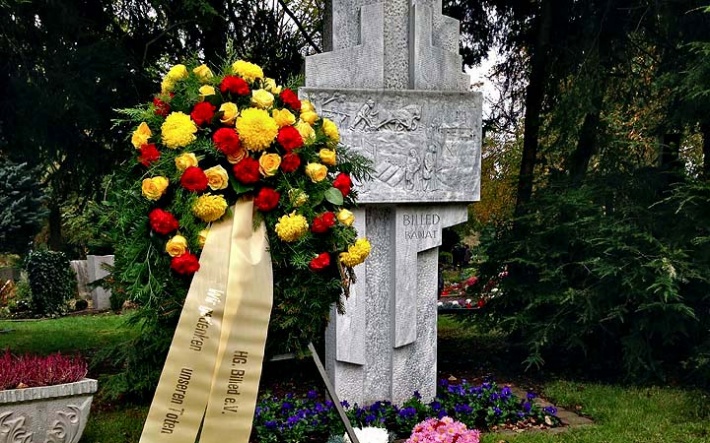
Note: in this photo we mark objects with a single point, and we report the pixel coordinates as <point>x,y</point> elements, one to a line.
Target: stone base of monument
<point>50,413</point>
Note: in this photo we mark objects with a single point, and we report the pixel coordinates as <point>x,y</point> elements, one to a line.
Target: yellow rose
<point>177,245</point>
<point>309,117</point>
<point>297,197</point>
<point>307,106</point>
<point>262,98</point>
<point>154,188</point>
<point>356,253</point>
<point>291,227</point>
<point>184,161</point>
<point>178,130</point>
<point>141,135</point>
<point>270,85</point>
<point>206,91</point>
<point>269,164</point>
<point>203,72</point>
<point>217,177</point>
<point>306,131</point>
<point>229,113</point>
<point>283,117</point>
<point>331,131</point>
<point>237,156</point>
<point>248,71</point>
<point>346,217</point>
<point>316,172</point>
<point>209,208</point>
<point>327,156</point>
<point>202,237</point>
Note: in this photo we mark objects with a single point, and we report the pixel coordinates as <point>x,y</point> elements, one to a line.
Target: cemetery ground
<point>621,413</point>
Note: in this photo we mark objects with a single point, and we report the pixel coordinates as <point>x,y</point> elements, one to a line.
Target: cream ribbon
<point>214,362</point>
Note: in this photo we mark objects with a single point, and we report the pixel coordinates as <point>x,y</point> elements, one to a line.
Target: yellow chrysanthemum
<point>331,130</point>
<point>248,71</point>
<point>141,135</point>
<point>356,253</point>
<point>291,227</point>
<point>209,207</point>
<point>306,131</point>
<point>283,117</point>
<point>177,72</point>
<point>257,130</point>
<point>178,130</point>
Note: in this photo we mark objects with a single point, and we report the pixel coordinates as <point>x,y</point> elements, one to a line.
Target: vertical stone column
<point>393,84</point>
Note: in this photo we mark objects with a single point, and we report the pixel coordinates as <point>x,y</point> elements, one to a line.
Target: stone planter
<point>51,414</point>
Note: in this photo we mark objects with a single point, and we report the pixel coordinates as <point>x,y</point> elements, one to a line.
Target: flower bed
<point>310,418</point>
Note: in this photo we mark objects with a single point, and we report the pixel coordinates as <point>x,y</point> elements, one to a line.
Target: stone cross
<point>393,85</point>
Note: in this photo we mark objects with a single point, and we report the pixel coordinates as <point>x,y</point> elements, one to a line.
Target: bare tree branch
<point>300,27</point>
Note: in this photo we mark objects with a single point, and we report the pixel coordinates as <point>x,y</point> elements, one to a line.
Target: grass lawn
<point>622,414</point>
<point>84,334</point>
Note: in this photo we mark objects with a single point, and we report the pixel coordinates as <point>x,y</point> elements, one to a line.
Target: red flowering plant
<point>28,371</point>
<point>210,138</point>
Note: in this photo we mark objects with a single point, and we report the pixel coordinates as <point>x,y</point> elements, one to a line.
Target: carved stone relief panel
<point>425,146</point>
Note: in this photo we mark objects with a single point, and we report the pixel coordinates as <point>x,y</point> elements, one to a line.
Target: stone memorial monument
<point>98,267</point>
<point>394,85</point>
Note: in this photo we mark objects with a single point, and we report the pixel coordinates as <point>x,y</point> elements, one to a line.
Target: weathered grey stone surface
<point>390,44</point>
<point>80,268</point>
<point>394,86</point>
<point>96,265</point>
<point>424,145</point>
<point>47,414</point>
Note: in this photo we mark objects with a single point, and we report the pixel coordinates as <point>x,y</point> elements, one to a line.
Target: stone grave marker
<point>393,85</point>
<point>101,298</point>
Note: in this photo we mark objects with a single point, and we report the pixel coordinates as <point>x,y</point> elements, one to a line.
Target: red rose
<point>194,179</point>
<point>290,162</point>
<point>247,171</point>
<point>323,222</point>
<point>161,108</point>
<point>226,140</point>
<point>186,263</point>
<point>234,85</point>
<point>343,183</point>
<point>162,221</point>
<point>203,113</point>
<point>148,154</point>
<point>289,138</point>
<point>321,262</point>
<point>290,99</point>
<point>481,303</point>
<point>266,199</point>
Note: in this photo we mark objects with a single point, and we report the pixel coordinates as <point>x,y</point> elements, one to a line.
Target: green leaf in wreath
<point>334,196</point>
<point>240,188</point>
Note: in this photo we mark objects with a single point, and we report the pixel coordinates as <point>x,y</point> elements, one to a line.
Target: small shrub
<point>52,282</point>
<point>33,371</point>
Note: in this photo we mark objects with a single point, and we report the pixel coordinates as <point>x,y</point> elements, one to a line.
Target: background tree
<point>22,208</point>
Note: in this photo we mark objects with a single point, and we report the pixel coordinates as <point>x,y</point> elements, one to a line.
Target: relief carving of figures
<point>412,170</point>
<point>434,144</point>
<point>364,117</point>
<point>403,119</point>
